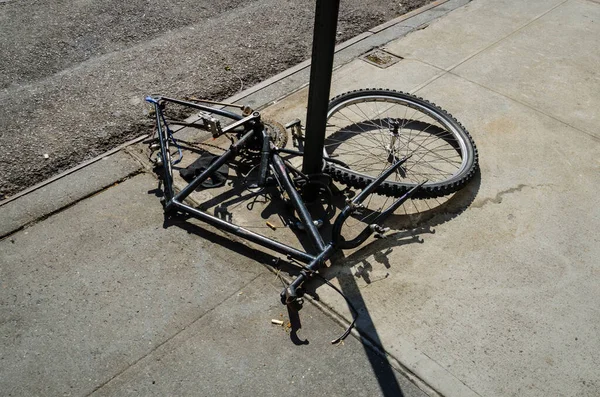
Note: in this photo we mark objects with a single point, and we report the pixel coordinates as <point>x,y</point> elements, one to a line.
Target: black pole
<point>320,80</point>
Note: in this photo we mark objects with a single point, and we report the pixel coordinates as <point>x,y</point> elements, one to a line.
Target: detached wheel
<point>369,130</point>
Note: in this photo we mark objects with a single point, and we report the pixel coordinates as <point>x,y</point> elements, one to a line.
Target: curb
<point>71,170</point>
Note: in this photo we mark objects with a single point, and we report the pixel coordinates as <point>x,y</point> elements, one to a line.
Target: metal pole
<point>320,80</point>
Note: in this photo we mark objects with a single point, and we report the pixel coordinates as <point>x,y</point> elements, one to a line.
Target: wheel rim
<point>371,132</point>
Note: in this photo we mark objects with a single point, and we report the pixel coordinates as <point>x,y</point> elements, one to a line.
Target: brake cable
<point>336,289</point>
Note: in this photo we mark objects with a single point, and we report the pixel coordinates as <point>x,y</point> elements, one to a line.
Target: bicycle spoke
<point>370,130</point>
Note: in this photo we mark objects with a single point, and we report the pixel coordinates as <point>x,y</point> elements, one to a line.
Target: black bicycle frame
<point>271,161</point>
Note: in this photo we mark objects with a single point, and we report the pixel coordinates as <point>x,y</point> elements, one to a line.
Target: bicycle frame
<point>270,160</point>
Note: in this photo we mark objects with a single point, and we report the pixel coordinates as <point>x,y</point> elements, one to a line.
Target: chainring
<point>276,132</point>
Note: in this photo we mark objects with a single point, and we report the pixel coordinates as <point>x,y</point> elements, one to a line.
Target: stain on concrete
<point>498,198</point>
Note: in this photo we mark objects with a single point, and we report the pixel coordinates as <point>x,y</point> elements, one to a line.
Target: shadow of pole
<point>383,370</point>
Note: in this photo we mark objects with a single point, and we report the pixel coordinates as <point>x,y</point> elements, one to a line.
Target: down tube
<point>245,233</point>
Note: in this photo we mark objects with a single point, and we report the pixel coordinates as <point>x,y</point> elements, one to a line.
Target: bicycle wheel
<point>369,130</point>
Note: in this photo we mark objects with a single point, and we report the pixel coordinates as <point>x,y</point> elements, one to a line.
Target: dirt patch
<point>73,79</point>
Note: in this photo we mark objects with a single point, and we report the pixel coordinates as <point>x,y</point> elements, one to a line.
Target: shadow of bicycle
<point>410,224</point>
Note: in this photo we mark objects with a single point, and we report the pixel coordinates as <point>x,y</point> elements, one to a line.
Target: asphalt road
<point>73,73</point>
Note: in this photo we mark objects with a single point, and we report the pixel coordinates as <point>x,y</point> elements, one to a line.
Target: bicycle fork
<point>289,295</point>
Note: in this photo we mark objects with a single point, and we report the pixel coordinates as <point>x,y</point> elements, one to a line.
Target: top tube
<point>220,112</point>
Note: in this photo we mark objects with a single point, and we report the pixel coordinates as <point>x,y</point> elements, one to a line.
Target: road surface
<point>73,73</point>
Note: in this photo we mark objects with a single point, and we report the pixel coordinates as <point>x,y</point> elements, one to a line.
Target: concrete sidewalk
<point>504,298</point>
<point>102,299</point>
<point>98,297</point>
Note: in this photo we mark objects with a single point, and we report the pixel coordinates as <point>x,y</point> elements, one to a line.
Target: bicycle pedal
<point>296,128</point>
<point>293,123</point>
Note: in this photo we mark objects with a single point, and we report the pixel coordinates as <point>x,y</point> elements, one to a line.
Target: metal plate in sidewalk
<point>380,58</point>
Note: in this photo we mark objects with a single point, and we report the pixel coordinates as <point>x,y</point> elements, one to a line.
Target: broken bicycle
<point>378,141</point>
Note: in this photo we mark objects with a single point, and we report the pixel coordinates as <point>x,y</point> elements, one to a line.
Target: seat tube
<point>166,158</point>
<point>265,156</point>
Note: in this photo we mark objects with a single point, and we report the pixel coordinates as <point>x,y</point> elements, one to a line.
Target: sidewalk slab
<point>235,351</point>
<point>102,299</point>
<point>402,76</point>
<point>504,296</point>
<point>562,79</point>
<point>407,75</point>
<point>92,289</point>
<point>468,30</point>
<point>65,191</point>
